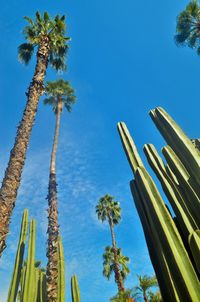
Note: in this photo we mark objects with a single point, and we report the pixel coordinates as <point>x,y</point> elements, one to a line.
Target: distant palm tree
<point>109,263</point>
<point>145,283</point>
<point>188,26</point>
<point>47,36</point>
<point>60,94</point>
<point>125,296</point>
<point>109,209</point>
<point>155,297</point>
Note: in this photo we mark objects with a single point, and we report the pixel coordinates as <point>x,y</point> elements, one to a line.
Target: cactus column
<point>29,285</point>
<point>75,292</point>
<point>176,275</point>
<point>12,294</point>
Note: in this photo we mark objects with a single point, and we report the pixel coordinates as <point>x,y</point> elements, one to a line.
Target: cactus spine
<point>61,272</point>
<point>174,269</point>
<point>12,294</point>
<point>75,292</point>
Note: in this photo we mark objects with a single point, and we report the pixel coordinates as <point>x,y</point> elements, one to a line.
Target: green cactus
<point>41,288</point>
<point>194,242</point>
<point>187,185</point>
<point>75,292</point>
<point>12,294</point>
<point>171,190</point>
<point>178,141</point>
<point>61,272</point>
<point>29,284</point>
<point>155,250</point>
<point>170,255</point>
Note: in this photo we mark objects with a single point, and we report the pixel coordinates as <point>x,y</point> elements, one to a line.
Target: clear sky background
<point>122,62</point>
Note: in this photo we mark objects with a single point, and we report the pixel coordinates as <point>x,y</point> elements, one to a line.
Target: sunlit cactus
<point>173,243</point>
<point>13,290</point>
<point>75,292</point>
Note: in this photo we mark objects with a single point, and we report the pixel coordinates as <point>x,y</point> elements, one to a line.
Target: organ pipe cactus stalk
<point>75,292</point>
<point>178,141</point>
<point>187,186</point>
<point>61,272</point>
<point>194,242</point>
<point>29,284</point>
<point>12,294</point>
<point>170,257</point>
<point>41,288</point>
<point>186,221</point>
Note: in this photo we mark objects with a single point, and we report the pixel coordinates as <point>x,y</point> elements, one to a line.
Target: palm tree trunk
<point>12,177</point>
<point>145,297</point>
<point>53,226</point>
<point>118,277</point>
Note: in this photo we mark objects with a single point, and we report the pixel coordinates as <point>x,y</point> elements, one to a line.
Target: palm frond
<point>193,8</point>
<point>38,17</point>
<point>29,20</point>
<point>49,101</point>
<point>25,52</point>
<point>46,17</point>
<point>58,64</point>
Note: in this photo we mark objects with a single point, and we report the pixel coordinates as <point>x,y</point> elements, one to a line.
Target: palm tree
<point>47,36</point>
<point>109,209</point>
<point>188,26</point>
<point>145,283</point>
<point>109,263</point>
<point>125,296</point>
<point>155,297</point>
<point>60,94</point>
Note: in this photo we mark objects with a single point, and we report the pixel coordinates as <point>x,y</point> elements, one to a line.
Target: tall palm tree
<point>108,209</point>
<point>60,94</point>
<point>188,26</point>
<point>46,35</point>
<point>145,283</point>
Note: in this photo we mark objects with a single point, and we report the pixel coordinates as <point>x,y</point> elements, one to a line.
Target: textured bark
<point>12,177</point>
<point>53,226</point>
<point>118,276</point>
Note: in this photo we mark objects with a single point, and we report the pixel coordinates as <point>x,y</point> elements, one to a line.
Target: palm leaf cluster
<point>145,284</point>
<point>108,207</point>
<point>188,26</point>
<point>59,91</point>
<point>45,28</point>
<point>109,262</point>
<point>125,296</point>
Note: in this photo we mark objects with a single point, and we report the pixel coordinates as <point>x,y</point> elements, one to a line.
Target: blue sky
<point>122,63</point>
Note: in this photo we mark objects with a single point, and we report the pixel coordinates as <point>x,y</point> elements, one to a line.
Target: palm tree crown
<point>59,91</point>
<point>109,262</point>
<point>125,296</point>
<point>108,208</point>
<point>188,26</point>
<point>145,283</point>
<point>44,28</point>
